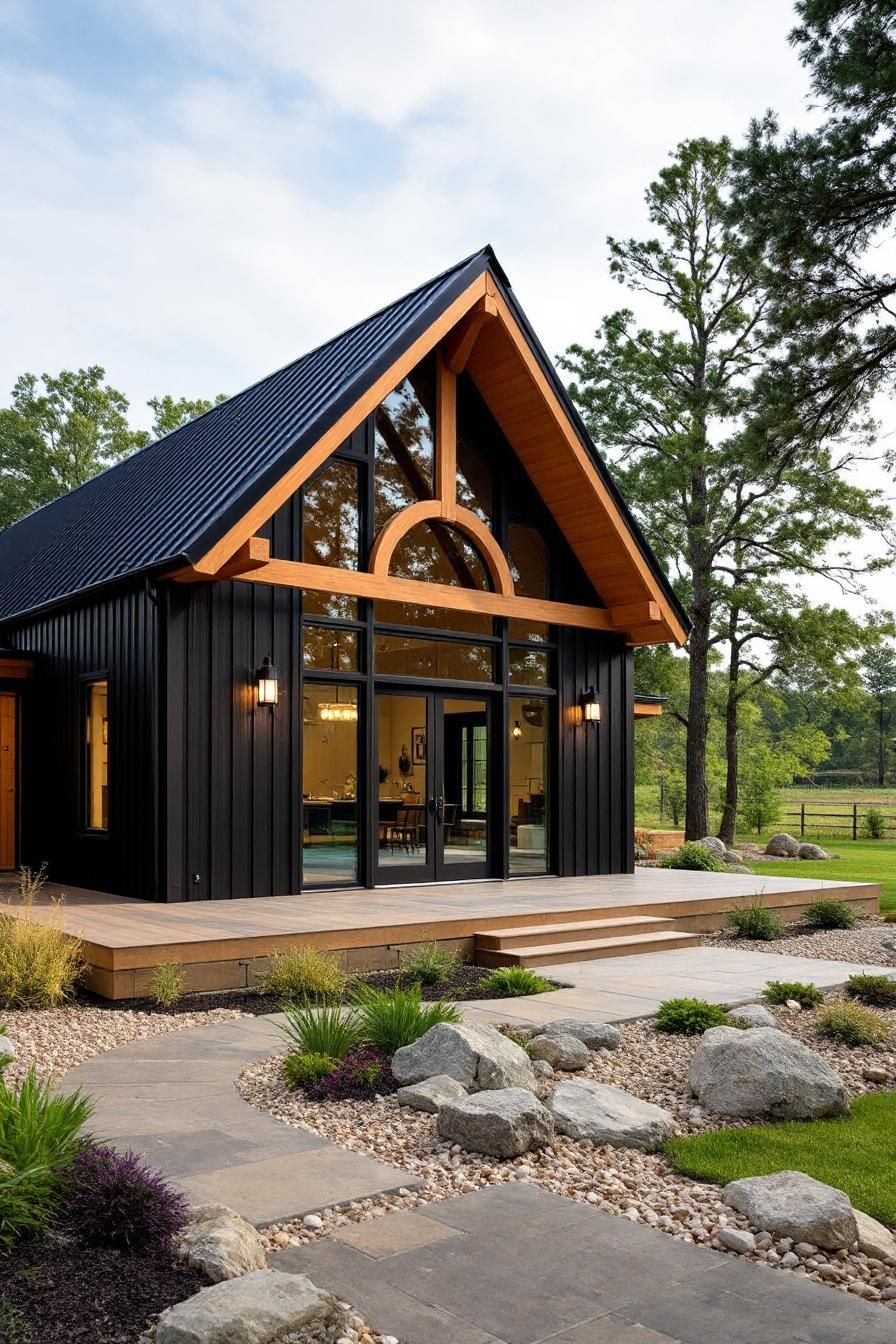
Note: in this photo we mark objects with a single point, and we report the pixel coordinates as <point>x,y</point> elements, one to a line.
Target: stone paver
<point>529,1267</point>
<point>172,1098</point>
<point>618,989</point>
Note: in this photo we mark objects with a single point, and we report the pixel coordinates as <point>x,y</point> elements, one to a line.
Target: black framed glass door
<point>434,775</point>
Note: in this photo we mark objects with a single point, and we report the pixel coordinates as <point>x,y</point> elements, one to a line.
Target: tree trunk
<point>729,809</point>
<point>696,812</point>
<point>881,744</point>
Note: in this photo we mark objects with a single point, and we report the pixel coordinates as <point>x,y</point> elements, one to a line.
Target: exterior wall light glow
<point>590,706</point>
<point>335,713</point>
<point>266,683</point>
<point>517,729</point>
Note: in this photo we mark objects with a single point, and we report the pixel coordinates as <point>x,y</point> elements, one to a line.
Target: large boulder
<point>431,1094</point>
<point>812,852</point>
<point>258,1308</point>
<point>604,1114</point>
<point>874,1239</point>
<point>763,1072</point>
<point>596,1035</point>
<point>478,1057</point>
<point>221,1244</point>
<point>783,846</point>
<point>791,1204</point>
<point>562,1051</point>
<point>731,856</point>
<point>713,844</point>
<point>753,1015</point>
<point>503,1123</point>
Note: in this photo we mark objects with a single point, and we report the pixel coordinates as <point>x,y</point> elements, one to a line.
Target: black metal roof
<point>171,501</point>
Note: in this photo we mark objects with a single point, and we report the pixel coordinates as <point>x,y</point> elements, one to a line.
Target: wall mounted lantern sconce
<point>590,706</point>
<point>266,683</point>
<point>517,730</point>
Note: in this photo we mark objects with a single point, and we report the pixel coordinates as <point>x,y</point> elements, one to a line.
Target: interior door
<point>7,779</point>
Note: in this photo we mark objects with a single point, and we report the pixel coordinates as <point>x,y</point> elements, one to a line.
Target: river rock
<point>753,1015</point>
<point>478,1057</point>
<point>255,1309</point>
<point>502,1122</point>
<point>783,846</point>
<point>221,1244</point>
<point>763,1072</point>
<point>431,1094</point>
<point>561,1050</point>
<point>596,1035</point>
<point>791,1204</point>
<point>605,1114</point>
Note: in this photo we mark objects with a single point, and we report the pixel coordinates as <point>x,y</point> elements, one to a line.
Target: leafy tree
<point>729,507</point>
<point>879,676</point>
<point>815,204</point>
<point>169,413</point>
<point>56,433</point>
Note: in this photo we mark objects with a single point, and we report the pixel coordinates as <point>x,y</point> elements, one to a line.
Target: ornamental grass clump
<point>167,984</point>
<point>329,1029</point>
<point>304,972</point>
<point>361,1076</point>
<point>689,1017</point>
<point>430,964</point>
<point>877,990</point>
<point>515,981</point>
<point>114,1199</point>
<point>782,991</point>
<point>754,921</point>
<point>389,1019</point>
<point>829,914</point>
<point>39,1136</point>
<point>40,964</point>
<point>852,1024</point>
<point>695,858</point>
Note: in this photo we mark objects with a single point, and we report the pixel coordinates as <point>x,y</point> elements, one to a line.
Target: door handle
<point>440,810</point>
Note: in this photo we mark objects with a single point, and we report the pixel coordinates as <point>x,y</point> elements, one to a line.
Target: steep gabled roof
<point>173,500</point>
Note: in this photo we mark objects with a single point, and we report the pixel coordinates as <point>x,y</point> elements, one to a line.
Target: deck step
<point>526,934</point>
<point>586,949</point>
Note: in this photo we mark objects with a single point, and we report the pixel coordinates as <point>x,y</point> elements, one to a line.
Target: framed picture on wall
<point>418,746</point>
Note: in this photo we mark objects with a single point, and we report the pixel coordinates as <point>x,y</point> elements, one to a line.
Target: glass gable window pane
<point>433,618</point>
<point>475,488</point>
<point>329,784</point>
<point>331,534</point>
<point>436,553</point>
<point>529,667</point>
<point>405,441</point>
<point>330,649</point>
<point>528,784</point>
<point>534,631</point>
<point>528,554</point>
<point>404,656</point>
<point>96,756</point>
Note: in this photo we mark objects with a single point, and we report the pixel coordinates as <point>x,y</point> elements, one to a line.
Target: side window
<point>95,755</point>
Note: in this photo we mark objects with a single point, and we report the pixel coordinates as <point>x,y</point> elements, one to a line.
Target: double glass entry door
<point>434,786</point>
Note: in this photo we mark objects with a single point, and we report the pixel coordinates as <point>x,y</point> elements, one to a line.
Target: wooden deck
<point>222,944</point>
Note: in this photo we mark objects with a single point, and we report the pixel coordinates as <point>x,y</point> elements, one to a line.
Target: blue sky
<point>196,191</point>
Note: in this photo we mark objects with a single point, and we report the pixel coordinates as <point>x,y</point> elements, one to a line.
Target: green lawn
<point>856,1153</point>
<point>857,861</point>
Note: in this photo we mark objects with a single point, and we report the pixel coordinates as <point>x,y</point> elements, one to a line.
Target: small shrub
<point>514,981</point>
<point>644,846</point>
<point>828,914</point>
<point>114,1199</point>
<point>779,991</point>
<point>329,1030</point>
<point>300,1070</point>
<point>304,973</point>
<point>874,824</point>
<point>167,984</point>
<point>695,858</point>
<point>40,963</point>
<point>754,921</point>
<point>359,1077</point>
<point>430,964</point>
<point>392,1018</point>
<point>689,1017</point>
<point>517,1037</point>
<point>878,990</point>
<point>852,1024</point>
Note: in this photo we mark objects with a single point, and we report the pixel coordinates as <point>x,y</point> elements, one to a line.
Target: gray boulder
<point>7,1049</point>
<point>604,1114</point>
<point>783,846</point>
<point>478,1057</point>
<point>763,1072</point>
<point>812,852</point>
<point>596,1035</point>
<point>431,1094</point>
<point>562,1051</point>
<point>221,1244</point>
<point>542,1069</point>
<point>503,1123</point>
<point>258,1308</point>
<point>713,844</point>
<point>874,1239</point>
<point>753,1015</point>
<point>730,856</point>
<point>791,1204</point>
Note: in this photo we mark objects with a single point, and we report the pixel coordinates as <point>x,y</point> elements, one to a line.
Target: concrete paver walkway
<point>172,1098</point>
<point>513,1264</point>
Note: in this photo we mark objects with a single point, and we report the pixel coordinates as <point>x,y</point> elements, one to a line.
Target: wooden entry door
<point>7,779</point>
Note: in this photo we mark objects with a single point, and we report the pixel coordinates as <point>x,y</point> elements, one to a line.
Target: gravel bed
<point>639,1186</point>
<point>864,945</point>
<point>56,1039</point>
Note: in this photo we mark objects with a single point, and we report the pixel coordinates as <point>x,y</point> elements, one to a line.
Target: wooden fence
<point>850,819</point>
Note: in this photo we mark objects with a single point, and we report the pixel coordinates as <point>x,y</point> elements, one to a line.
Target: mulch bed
<point>463,986</point>
<point>68,1293</point>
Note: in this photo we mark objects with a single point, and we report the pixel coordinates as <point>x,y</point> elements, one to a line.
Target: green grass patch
<point>857,861</point>
<point>855,1153</point>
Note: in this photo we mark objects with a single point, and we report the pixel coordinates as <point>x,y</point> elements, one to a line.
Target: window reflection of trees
<point>437,553</point>
<point>405,445</point>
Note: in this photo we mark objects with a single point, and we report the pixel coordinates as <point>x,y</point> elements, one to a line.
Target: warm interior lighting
<point>517,729</point>
<point>266,683</point>
<point>336,713</point>
<point>590,706</point>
